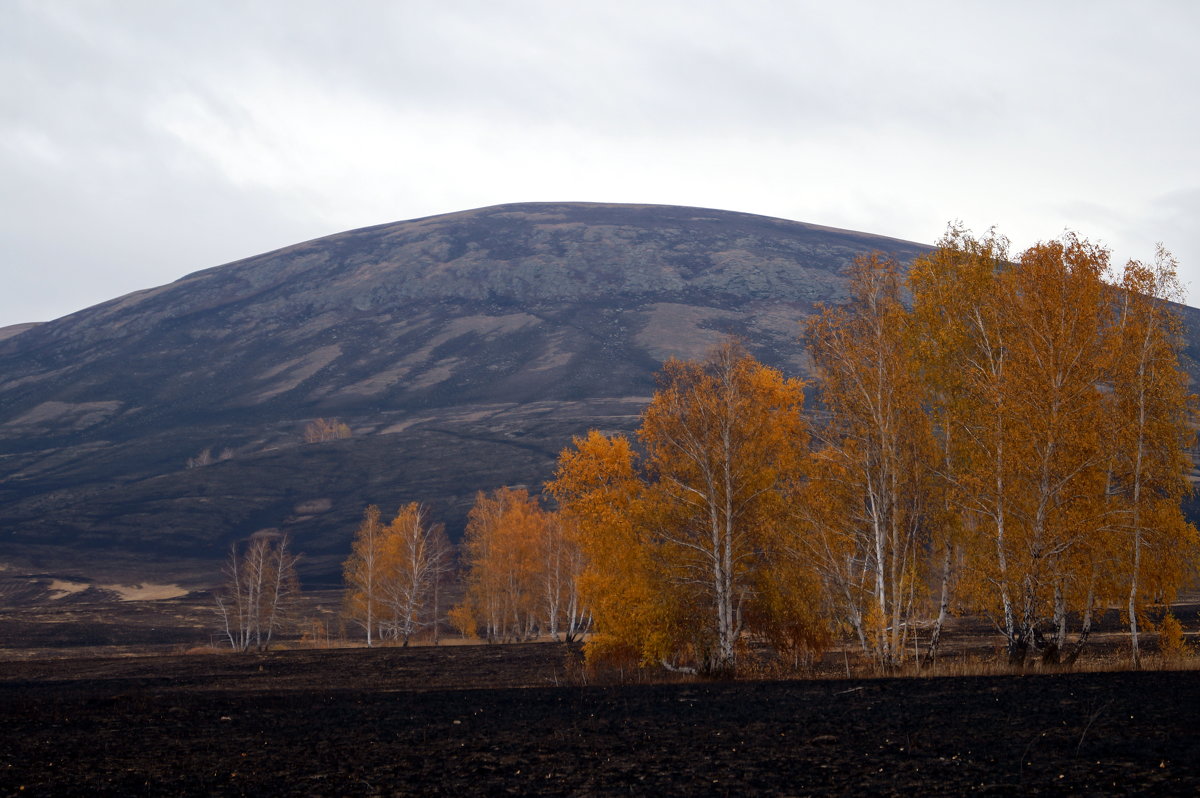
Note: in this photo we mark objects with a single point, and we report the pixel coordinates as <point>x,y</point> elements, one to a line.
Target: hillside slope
<point>462,350</point>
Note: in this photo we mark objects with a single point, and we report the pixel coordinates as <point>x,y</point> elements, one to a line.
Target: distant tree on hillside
<point>199,461</point>
<point>206,457</point>
<point>325,429</point>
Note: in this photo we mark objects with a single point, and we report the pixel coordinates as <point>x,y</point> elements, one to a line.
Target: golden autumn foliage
<point>325,429</point>
<point>522,568</point>
<point>865,514</point>
<point>1039,378</point>
<point>363,573</point>
<point>598,488</point>
<point>1012,443</point>
<point>960,333</point>
<point>1151,417</point>
<point>416,556</point>
<point>395,573</point>
<point>684,542</point>
<point>1054,376</point>
<point>996,434</point>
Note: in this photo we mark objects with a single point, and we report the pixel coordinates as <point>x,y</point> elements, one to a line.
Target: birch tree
<point>502,552</point>
<point>868,520</point>
<point>413,559</point>
<point>1152,412</point>
<point>1056,366</point>
<point>260,587</point>
<point>961,331</point>
<point>1056,395</point>
<point>1016,358</point>
<point>562,563</point>
<point>601,492</point>
<point>363,573</point>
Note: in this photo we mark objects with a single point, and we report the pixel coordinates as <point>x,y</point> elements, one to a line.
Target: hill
<point>463,351</point>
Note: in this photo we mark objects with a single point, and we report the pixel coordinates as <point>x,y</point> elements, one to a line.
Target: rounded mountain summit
<point>463,351</point>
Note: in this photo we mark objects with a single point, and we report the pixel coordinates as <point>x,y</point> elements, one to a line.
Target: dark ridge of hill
<point>463,351</point>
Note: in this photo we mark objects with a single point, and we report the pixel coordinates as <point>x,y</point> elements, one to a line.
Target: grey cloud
<point>1023,103</point>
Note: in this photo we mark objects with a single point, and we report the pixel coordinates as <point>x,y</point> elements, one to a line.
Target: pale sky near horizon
<point>141,140</point>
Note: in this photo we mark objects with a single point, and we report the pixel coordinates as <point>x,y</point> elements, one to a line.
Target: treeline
<point>519,575</point>
<point>996,434</point>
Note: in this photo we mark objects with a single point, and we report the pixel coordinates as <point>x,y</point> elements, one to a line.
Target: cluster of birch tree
<point>519,576</point>
<point>1059,421</point>
<point>396,573</point>
<point>997,434</point>
<point>260,585</point>
<point>522,571</point>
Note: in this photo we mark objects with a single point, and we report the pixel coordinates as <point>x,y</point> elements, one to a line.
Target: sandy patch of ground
<point>59,588</point>
<point>439,373</point>
<point>145,592</point>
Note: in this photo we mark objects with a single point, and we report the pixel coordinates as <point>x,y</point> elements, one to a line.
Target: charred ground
<point>518,719</point>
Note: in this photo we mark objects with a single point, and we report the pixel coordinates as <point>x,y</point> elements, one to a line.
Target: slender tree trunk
<point>1053,652</point>
<point>1135,652</point>
<point>729,630</point>
<point>1016,646</point>
<point>1085,629</point>
<point>436,620</point>
<point>370,617</point>
<point>943,607</point>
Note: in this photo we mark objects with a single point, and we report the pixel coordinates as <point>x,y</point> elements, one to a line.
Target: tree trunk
<point>943,608</point>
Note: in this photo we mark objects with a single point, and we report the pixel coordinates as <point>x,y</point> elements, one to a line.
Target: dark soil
<point>515,720</point>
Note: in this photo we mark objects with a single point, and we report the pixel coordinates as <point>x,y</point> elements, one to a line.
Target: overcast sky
<point>141,141</point>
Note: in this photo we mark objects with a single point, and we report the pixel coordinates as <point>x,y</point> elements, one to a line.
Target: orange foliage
<point>522,564</point>
<point>682,543</point>
<point>1057,395</point>
<point>415,557</point>
<point>1151,416</point>
<point>867,509</point>
<point>394,573</point>
<point>1014,444</point>
<point>363,572</point>
<point>325,429</point>
<point>599,490</point>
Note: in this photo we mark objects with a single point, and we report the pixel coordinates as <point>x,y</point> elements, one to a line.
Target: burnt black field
<point>495,720</point>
